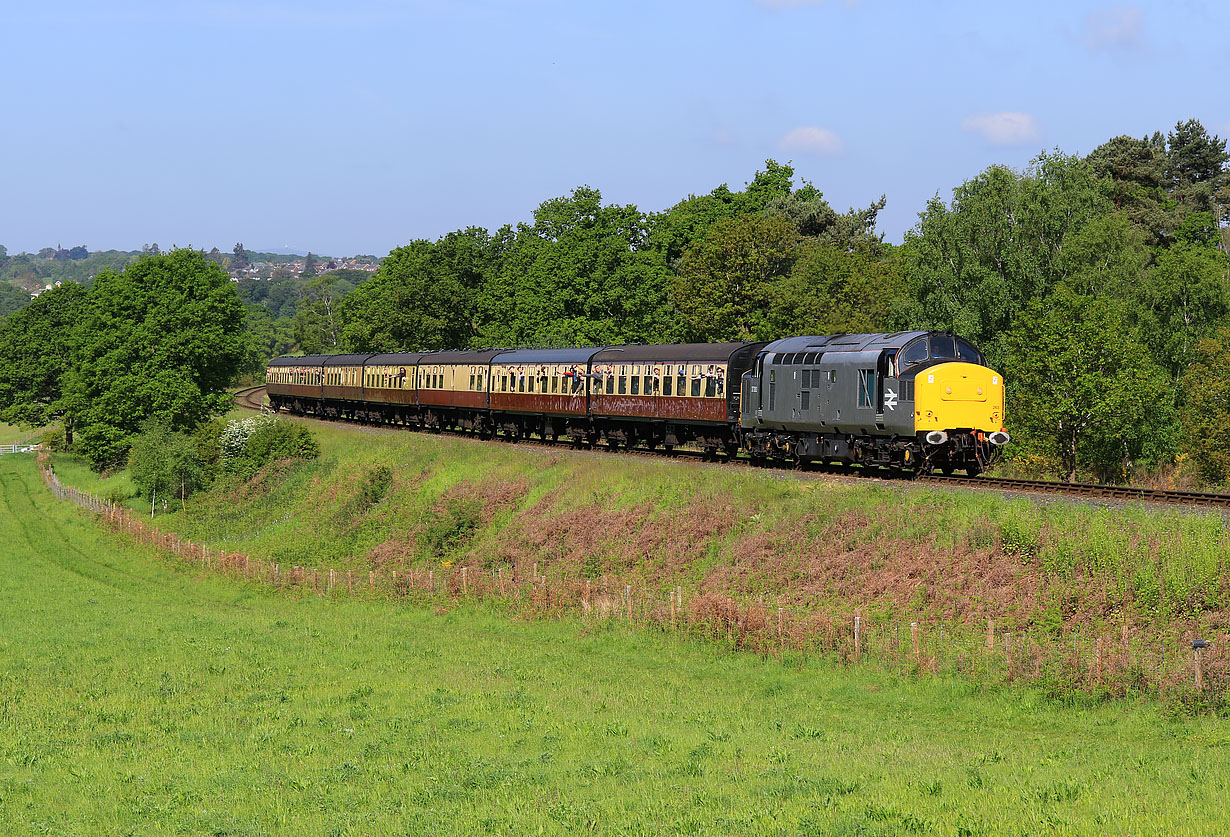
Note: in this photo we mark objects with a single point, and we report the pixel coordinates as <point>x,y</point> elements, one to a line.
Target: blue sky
<point>356,127</point>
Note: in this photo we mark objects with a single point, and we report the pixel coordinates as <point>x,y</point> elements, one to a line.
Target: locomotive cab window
<point>968,353</point>
<point>914,353</point>
<point>942,347</point>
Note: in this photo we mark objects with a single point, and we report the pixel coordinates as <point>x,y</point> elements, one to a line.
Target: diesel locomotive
<point>911,401</point>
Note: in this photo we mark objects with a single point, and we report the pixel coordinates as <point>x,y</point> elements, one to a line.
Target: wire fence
<point>1183,663</point>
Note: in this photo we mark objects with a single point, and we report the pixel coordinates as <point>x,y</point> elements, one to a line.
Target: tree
<point>37,353</point>
<point>165,463</point>
<point>831,291</point>
<point>1195,166</point>
<point>1001,244</point>
<point>78,253</point>
<point>583,273</point>
<point>160,340</point>
<point>1083,388</point>
<point>318,324</point>
<point>1206,407</point>
<point>1136,171</point>
<point>309,266</point>
<point>723,287</point>
<point>12,298</point>
<point>421,298</point>
<point>240,260</point>
<point>1184,297</point>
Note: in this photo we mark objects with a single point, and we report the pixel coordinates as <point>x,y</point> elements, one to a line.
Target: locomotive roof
<point>547,355</point>
<point>669,352</point>
<point>844,342</point>
<point>304,360</point>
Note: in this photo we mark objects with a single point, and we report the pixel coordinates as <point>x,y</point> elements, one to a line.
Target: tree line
<point>1098,284</point>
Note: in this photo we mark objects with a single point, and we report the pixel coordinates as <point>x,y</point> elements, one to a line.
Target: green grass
<point>138,697</point>
<point>10,435</point>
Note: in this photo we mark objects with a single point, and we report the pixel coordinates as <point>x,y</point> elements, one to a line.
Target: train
<point>909,402</point>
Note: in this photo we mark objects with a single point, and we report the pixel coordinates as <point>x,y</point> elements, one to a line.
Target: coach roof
<point>669,352</point>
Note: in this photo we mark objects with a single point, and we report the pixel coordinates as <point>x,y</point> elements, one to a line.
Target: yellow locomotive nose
<point>959,396</point>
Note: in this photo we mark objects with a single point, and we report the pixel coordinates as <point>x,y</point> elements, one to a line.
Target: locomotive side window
<point>866,386</point>
<point>967,352</point>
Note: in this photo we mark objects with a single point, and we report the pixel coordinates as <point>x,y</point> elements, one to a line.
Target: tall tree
<point>421,297</point>
<point>723,287</point>
<point>37,353</point>
<point>582,274</point>
<point>1003,242</point>
<point>831,291</point>
<point>1196,166</point>
<point>162,339</point>
<point>309,266</point>
<point>240,260</point>
<point>1206,407</point>
<point>1084,388</point>
<point>1136,170</point>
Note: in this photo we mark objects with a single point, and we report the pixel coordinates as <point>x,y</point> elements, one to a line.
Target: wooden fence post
<point>858,637</point>
<point>990,634</point>
<point>628,595</point>
<point>914,639</point>
<point>465,584</point>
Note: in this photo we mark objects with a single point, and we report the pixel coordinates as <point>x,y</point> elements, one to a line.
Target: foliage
<point>1206,406</point>
<point>37,353</point>
<point>831,291</point>
<point>161,340</point>
<point>1002,243</point>
<point>249,444</point>
<point>165,463</point>
<point>1084,388</point>
<point>422,297</point>
<point>724,287</point>
<point>583,273</point>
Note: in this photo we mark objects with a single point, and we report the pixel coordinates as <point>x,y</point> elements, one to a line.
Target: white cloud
<point>1003,129</point>
<point>1114,27</point>
<point>812,139</point>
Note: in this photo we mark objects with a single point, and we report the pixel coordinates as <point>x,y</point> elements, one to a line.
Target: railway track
<point>252,398</point>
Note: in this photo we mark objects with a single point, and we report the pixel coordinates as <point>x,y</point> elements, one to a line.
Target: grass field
<point>10,435</point>
<point>137,697</point>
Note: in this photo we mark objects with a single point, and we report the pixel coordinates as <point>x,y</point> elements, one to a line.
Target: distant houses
<point>264,270</point>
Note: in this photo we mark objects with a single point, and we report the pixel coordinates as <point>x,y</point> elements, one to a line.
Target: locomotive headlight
<point>999,437</point>
<point>937,437</point>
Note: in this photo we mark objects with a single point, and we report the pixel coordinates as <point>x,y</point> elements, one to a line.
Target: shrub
<point>163,462</point>
<point>247,445</point>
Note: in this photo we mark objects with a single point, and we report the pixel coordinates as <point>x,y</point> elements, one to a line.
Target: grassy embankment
<point>388,498</point>
<point>139,695</point>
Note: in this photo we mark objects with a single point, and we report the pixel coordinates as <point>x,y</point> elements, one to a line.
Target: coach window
<point>710,387</point>
<point>623,384</point>
<point>681,383</point>
<point>666,384</point>
<point>648,383</point>
<point>696,382</point>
